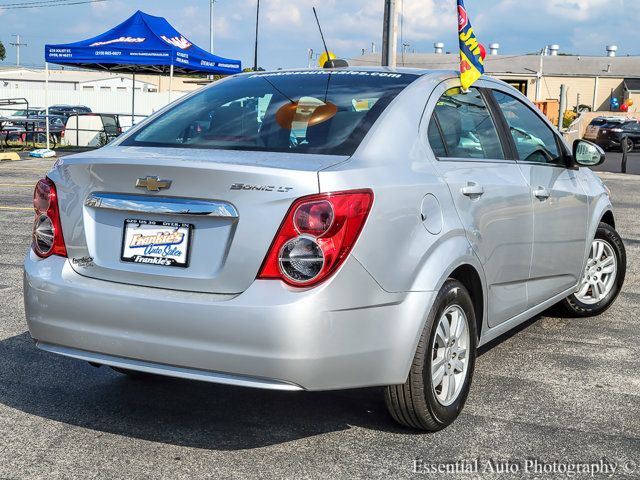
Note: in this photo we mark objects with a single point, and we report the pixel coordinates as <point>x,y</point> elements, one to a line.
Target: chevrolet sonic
<point>318,230</point>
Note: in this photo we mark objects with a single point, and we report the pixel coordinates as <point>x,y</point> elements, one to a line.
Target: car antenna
<point>326,50</point>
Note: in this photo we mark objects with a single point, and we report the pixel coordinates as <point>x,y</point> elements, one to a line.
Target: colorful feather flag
<point>471,61</point>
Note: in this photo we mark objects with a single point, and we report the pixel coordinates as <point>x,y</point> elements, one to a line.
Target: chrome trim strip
<point>163,205</point>
<point>170,370</point>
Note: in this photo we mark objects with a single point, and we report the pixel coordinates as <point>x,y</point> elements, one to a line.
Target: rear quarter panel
<point>395,245</point>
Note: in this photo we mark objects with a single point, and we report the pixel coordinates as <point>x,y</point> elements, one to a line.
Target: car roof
<point>439,74</point>
<point>403,70</point>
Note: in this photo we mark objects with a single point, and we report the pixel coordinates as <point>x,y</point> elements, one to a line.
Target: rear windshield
<point>311,111</point>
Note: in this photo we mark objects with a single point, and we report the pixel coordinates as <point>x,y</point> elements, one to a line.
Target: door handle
<point>473,190</point>
<point>541,193</point>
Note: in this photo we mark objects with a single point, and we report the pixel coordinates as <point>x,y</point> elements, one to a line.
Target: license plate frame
<point>154,227</point>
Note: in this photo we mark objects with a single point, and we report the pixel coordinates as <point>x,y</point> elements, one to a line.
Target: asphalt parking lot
<point>559,389</point>
<point>614,161</point>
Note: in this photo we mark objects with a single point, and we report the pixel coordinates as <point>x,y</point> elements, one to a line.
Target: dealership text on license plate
<point>156,243</point>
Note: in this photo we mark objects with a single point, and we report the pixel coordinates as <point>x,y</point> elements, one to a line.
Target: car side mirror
<point>587,154</point>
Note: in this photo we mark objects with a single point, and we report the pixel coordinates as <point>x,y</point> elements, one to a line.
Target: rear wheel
<point>440,377</point>
<point>630,146</point>
<point>603,275</point>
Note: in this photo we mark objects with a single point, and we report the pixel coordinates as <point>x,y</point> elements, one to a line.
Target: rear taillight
<point>47,230</point>
<point>316,237</point>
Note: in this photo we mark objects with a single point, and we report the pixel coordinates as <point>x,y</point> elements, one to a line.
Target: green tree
<point>3,52</point>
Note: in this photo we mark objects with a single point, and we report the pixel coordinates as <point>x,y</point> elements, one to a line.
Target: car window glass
<point>435,139</point>
<point>534,140</point>
<point>467,127</point>
<point>321,112</point>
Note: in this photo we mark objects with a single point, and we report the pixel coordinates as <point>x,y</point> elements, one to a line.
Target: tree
<point>3,52</point>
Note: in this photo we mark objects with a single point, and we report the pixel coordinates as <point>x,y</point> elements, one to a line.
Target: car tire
<point>418,404</point>
<point>588,301</point>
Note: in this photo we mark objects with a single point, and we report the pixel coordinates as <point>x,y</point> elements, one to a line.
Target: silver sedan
<point>321,229</point>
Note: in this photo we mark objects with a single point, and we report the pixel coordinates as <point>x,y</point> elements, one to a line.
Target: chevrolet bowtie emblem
<point>153,184</point>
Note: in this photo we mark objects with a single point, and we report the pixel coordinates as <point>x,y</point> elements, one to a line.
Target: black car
<point>68,110</point>
<point>610,135</point>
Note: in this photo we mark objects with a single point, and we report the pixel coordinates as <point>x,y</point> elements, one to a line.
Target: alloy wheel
<point>449,362</point>
<point>599,274</point>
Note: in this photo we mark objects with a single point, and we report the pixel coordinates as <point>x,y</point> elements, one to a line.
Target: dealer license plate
<point>156,243</point>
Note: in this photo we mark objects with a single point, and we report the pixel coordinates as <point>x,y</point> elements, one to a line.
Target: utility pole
<point>390,34</point>
<point>255,54</point>
<point>563,106</point>
<point>17,44</point>
<point>543,54</point>
<point>404,49</point>
<point>211,2</point>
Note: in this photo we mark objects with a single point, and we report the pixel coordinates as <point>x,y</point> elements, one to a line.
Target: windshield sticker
<point>329,72</point>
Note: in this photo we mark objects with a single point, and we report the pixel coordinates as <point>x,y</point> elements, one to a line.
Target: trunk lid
<point>234,200</point>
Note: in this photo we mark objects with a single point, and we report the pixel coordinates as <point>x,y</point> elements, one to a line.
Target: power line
<point>20,4</point>
<point>47,3</point>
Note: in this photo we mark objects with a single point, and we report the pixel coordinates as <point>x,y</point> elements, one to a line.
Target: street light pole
<point>211,2</point>
<point>390,34</point>
<point>255,54</point>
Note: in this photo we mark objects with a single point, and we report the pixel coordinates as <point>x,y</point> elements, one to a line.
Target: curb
<point>9,156</point>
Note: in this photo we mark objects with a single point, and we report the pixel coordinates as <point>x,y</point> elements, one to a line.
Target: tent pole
<point>170,81</point>
<point>46,100</point>
<point>133,101</point>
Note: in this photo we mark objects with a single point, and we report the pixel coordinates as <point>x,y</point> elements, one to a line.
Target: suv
<point>610,136</point>
<point>318,230</point>
<point>597,123</point>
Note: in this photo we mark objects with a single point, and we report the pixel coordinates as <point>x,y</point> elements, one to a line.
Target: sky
<point>288,27</point>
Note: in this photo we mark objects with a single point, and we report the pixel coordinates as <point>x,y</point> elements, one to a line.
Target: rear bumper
<point>608,142</point>
<point>346,333</point>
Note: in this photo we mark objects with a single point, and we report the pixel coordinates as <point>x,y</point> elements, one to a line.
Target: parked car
<point>593,128</point>
<point>610,136</point>
<point>33,129</point>
<point>92,129</point>
<point>68,110</point>
<point>30,112</point>
<point>217,242</point>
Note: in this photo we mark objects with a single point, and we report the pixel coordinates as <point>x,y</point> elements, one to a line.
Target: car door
<point>560,204</point>
<point>633,133</point>
<point>491,196</point>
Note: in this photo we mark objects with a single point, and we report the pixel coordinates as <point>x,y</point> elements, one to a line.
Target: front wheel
<point>603,275</point>
<point>440,377</point>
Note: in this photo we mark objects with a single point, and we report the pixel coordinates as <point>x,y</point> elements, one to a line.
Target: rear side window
<point>534,140</point>
<point>462,127</point>
<point>312,111</point>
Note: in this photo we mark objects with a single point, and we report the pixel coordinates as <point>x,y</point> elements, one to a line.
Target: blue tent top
<point>141,44</point>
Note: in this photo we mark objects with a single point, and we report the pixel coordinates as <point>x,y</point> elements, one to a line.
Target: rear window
<point>310,111</point>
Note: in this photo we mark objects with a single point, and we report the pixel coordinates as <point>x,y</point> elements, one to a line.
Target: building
<point>591,81</point>
<point>16,79</point>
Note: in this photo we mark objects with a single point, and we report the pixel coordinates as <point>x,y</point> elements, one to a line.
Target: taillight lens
<point>47,230</point>
<point>316,237</point>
